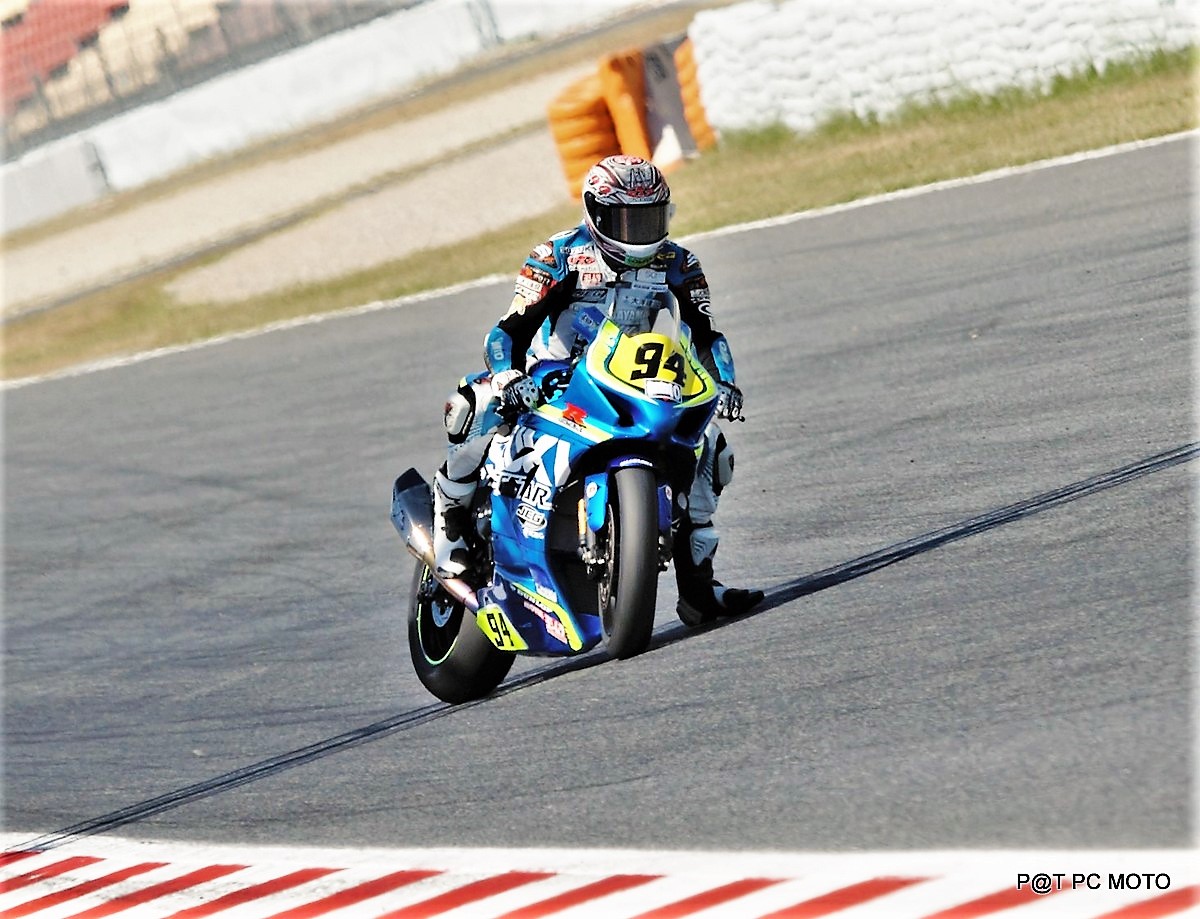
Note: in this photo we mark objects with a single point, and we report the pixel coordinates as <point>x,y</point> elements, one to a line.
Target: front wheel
<point>454,660</point>
<point>629,586</point>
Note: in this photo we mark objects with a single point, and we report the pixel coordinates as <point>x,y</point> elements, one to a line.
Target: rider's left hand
<point>729,402</point>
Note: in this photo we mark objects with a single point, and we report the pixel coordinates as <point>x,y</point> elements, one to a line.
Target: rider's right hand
<point>517,391</point>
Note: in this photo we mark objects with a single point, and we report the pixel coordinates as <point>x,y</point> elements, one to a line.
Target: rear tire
<point>454,660</point>
<point>629,586</point>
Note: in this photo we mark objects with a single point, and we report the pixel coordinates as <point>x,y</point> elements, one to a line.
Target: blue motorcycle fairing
<point>521,585</point>
<point>526,469</point>
<point>532,464</point>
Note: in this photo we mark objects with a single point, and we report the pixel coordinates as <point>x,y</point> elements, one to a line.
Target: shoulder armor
<point>551,257</point>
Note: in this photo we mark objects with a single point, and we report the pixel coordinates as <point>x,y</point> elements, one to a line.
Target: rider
<point>622,243</point>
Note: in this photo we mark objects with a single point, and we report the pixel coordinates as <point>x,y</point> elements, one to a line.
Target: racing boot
<point>451,518</point>
<point>702,598</point>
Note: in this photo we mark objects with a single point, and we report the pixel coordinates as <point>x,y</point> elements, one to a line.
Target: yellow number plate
<point>640,358</point>
<point>500,632</point>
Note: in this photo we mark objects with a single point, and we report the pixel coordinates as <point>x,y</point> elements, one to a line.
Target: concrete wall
<point>760,62</point>
<point>798,62</point>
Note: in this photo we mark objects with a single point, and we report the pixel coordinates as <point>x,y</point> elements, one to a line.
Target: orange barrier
<point>689,91</point>
<point>624,81</point>
<point>582,128</point>
<point>606,113</point>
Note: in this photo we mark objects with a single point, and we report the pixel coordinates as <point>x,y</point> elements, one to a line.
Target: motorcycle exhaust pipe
<point>412,516</point>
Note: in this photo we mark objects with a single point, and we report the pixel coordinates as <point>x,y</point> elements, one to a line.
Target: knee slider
<point>703,543</point>
<point>719,464</point>
<point>459,413</point>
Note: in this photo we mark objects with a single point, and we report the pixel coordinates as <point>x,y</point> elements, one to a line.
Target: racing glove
<point>517,391</point>
<point>729,402</point>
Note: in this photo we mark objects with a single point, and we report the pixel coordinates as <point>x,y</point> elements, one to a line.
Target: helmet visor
<point>635,224</point>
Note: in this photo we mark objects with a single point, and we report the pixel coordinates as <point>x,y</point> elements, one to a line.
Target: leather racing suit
<point>562,281</point>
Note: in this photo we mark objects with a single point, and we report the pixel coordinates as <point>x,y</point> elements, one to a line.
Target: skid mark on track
<point>663,636</point>
<point>866,564</point>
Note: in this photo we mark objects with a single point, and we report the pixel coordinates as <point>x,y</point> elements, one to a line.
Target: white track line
<point>916,191</point>
<point>125,361</point>
<point>991,176</point>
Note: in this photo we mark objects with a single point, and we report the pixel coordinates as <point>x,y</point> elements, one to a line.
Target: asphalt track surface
<point>964,481</point>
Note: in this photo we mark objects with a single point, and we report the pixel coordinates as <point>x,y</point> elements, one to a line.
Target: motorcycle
<point>574,518</point>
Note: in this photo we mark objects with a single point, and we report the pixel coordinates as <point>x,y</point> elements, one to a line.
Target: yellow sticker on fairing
<point>638,359</point>
<point>499,631</point>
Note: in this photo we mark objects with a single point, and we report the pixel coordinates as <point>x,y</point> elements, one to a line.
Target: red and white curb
<point>105,876</point>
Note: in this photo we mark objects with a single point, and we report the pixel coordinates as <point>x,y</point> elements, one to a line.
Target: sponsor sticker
<point>529,289</point>
<point>533,521</point>
<point>554,628</point>
<point>536,494</point>
<point>664,390</point>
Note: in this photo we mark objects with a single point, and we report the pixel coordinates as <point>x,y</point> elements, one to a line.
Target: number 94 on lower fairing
<point>570,535</point>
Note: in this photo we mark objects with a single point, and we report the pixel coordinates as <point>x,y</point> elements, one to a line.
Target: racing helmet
<point>627,208</point>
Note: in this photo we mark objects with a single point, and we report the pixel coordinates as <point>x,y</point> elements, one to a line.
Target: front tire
<point>453,659</point>
<point>629,586</point>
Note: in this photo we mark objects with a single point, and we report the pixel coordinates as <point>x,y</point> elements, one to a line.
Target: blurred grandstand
<point>68,64</point>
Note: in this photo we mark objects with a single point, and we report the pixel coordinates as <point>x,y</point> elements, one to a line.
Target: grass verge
<point>750,176</point>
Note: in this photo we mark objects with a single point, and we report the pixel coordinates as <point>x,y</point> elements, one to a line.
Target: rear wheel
<point>629,585</point>
<point>454,660</point>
